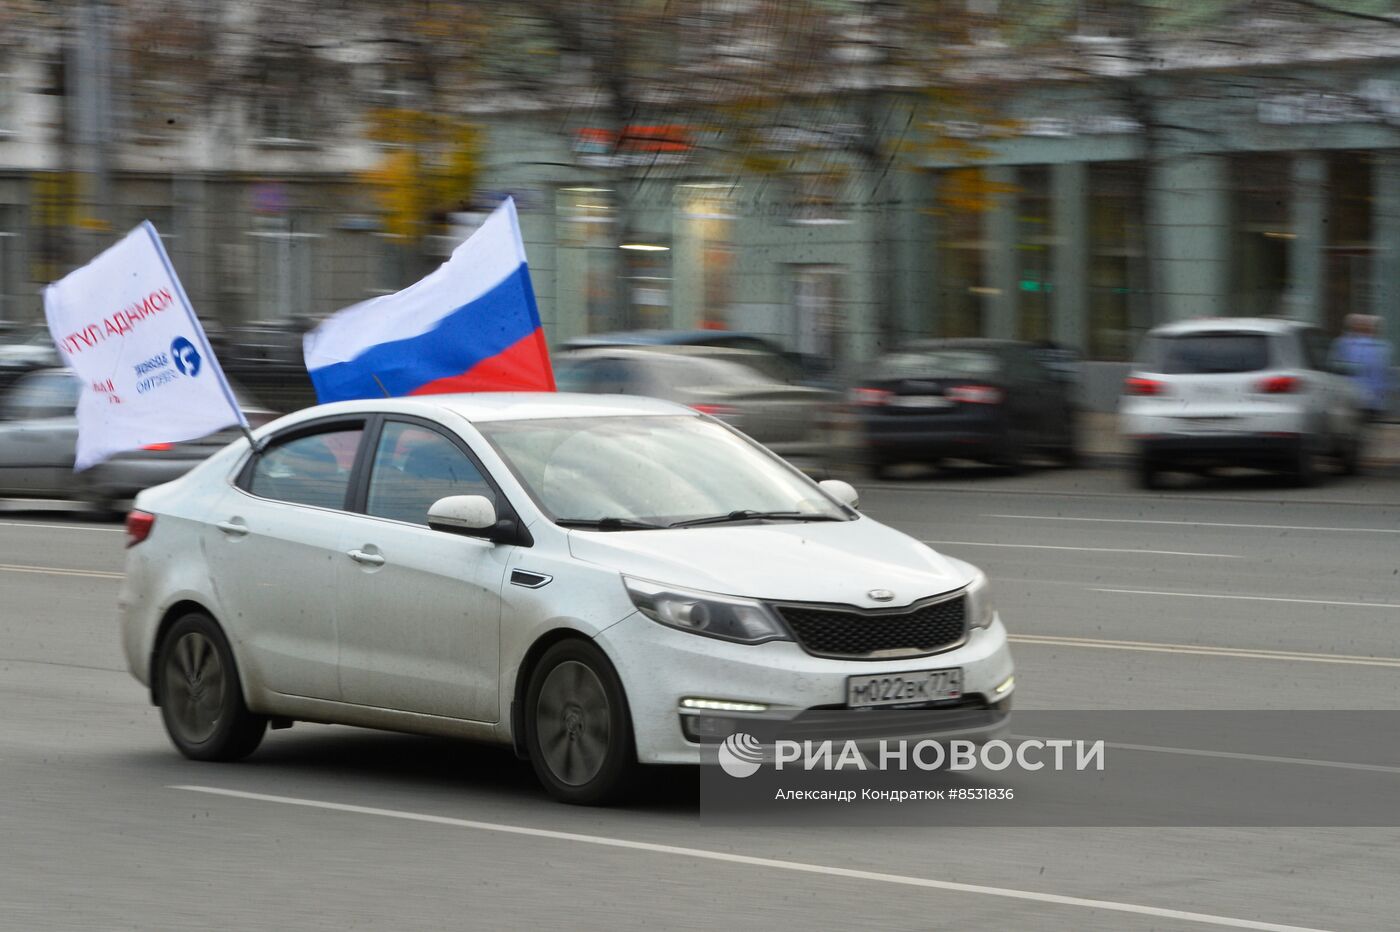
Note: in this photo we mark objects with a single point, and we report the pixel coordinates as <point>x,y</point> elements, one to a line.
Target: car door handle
<point>365,558</point>
<point>234,528</point>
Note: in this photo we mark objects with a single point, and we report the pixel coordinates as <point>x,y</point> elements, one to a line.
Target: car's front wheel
<point>577,728</point>
<point>200,698</point>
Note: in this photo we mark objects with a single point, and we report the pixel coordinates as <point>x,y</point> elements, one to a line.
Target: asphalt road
<point>1234,594</point>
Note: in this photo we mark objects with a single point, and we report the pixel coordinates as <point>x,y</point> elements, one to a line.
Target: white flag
<point>126,328</point>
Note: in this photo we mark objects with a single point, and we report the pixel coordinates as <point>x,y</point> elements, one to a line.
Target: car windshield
<point>1206,353</point>
<point>657,469</point>
<point>933,364</point>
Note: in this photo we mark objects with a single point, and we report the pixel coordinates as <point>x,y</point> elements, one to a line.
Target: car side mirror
<point>842,491</point>
<point>473,515</point>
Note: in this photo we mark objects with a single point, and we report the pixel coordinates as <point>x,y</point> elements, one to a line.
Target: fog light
<point>1006,684</point>
<point>708,729</point>
<point>722,705</point>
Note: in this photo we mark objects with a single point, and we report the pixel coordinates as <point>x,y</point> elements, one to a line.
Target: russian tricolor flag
<point>470,326</point>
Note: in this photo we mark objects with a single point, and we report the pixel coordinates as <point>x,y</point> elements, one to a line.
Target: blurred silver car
<point>794,421</point>
<point>25,350</point>
<point>39,436</point>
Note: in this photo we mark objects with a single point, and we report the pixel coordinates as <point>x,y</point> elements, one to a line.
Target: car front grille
<point>925,628</point>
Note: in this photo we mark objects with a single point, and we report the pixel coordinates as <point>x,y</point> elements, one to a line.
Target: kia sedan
<point>599,582</point>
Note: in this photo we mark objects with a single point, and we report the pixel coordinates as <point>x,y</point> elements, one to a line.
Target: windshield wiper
<point>748,514</point>
<point>608,524</point>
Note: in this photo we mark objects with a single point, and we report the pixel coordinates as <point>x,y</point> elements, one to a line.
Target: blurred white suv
<point>1239,392</point>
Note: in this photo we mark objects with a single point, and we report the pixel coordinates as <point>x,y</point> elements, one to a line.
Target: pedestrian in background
<point>1362,354</point>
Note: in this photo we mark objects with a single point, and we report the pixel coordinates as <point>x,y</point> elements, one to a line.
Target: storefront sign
<point>1375,101</point>
<point>1092,124</point>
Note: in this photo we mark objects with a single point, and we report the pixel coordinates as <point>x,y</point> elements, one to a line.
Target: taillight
<point>159,447</point>
<point>714,410</point>
<point>974,394</point>
<point>1136,385</point>
<point>138,527</point>
<point>1279,384</point>
<point>870,396</point>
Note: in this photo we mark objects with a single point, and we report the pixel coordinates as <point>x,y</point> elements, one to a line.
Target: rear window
<point>1203,353</point>
<point>936,364</point>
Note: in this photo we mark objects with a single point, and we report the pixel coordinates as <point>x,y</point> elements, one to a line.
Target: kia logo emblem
<point>881,595</point>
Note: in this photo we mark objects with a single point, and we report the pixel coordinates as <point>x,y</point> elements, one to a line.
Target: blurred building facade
<point>1075,194</point>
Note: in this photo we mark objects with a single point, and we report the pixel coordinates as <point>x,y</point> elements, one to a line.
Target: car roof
<point>729,353</point>
<point>985,344</point>
<point>1230,325</point>
<point>481,407</point>
<point>659,338</point>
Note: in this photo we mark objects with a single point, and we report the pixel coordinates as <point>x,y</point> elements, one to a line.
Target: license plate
<point>921,401</point>
<point>902,688</point>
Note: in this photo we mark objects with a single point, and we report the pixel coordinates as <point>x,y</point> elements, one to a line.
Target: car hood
<point>838,562</point>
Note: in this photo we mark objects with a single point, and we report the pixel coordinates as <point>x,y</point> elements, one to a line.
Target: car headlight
<point>980,610</point>
<point>717,616</point>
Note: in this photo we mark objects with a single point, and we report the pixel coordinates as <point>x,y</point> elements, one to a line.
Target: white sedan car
<point>597,581</point>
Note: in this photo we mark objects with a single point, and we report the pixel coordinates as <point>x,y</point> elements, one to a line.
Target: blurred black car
<point>989,400</point>
<point>266,359</point>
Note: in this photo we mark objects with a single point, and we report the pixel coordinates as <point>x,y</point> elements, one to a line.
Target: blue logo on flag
<point>186,357</point>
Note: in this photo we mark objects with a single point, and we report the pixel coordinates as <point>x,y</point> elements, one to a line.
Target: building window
<point>1350,206</point>
<point>586,217</point>
<point>1035,240</point>
<point>11,287</point>
<point>818,317</point>
<point>283,259</point>
<point>961,262</point>
<point>1261,193</point>
<point>9,94</point>
<point>1117,285</point>
<point>648,270</point>
<point>707,210</point>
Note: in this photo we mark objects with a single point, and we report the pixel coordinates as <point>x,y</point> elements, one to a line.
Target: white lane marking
<point>56,571</point>
<point>1247,653</point>
<point>751,861</point>
<point>1164,553</point>
<point>64,527</point>
<point>1235,755</point>
<point>1268,527</point>
<point>1247,598</point>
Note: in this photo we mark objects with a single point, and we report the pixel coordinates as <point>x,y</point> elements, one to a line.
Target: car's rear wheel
<point>1149,475</point>
<point>577,728</point>
<point>201,701</point>
<point>877,468</point>
<point>1012,458</point>
<point>1349,458</point>
<point>1305,472</point>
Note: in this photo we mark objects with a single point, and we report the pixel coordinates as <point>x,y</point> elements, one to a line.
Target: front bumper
<point>660,666</point>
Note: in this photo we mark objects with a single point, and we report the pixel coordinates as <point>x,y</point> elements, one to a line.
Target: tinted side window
<point>44,394</point>
<point>574,375</point>
<point>313,469</point>
<point>614,377</point>
<point>414,467</point>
